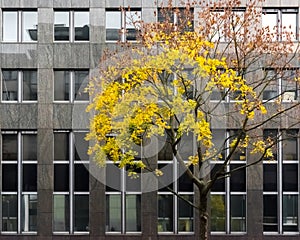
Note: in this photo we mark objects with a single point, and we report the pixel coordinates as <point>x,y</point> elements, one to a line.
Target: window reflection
<point>185,214</point>
<point>133,213</point>
<point>29,212</point>
<point>61,26</point>
<point>113,210</point>
<point>9,213</point>
<point>238,213</point>
<point>81,213</point>
<point>81,24</point>
<point>29,27</point>
<point>61,214</point>
<point>218,214</point>
<point>290,213</point>
<point>165,213</point>
<point>270,220</point>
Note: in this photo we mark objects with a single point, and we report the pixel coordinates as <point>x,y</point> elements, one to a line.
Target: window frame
<point>19,26</point>
<point>123,30</point>
<point>71,21</point>
<point>228,193</point>
<point>72,85</point>
<point>20,193</point>
<point>20,85</point>
<point>71,193</point>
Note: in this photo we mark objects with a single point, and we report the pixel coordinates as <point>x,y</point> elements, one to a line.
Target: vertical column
<point>45,121</point>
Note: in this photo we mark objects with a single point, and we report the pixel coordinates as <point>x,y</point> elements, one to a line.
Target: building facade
<point>49,48</point>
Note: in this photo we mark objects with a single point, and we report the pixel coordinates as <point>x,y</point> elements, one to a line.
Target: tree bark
<point>203,217</point>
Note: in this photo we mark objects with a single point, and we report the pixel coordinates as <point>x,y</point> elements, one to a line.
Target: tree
<point>217,70</point>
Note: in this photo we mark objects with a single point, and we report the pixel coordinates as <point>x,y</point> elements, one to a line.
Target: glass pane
<point>218,139</point>
<point>290,213</point>
<point>61,213</point>
<point>219,185</point>
<point>133,213</point>
<point>270,219</point>
<point>113,213</point>
<point>165,182</point>
<point>9,147</point>
<point>165,213</point>
<point>185,214</point>
<point>133,184</point>
<point>237,179</point>
<point>185,184</point>
<point>239,153</point>
<point>290,145</point>
<point>81,147</point>
<point>61,146</point>
<point>270,177</point>
<point>61,177</point>
<point>113,25</point>
<point>290,177</point>
<point>9,213</point>
<point>289,26</point>
<point>271,87</point>
<point>81,213</point>
<point>61,26</point>
<point>218,217</point>
<point>269,21</point>
<point>29,177</point>
<point>81,81</point>
<point>10,26</point>
<point>10,85</point>
<point>29,30</point>
<point>29,213</point>
<point>30,85</point>
<point>113,178</point>
<point>9,177</point>
<point>81,24</point>
<point>61,85</point>
<point>238,213</point>
<point>165,152</point>
<point>132,24</point>
<point>29,147</point>
<point>270,136</point>
<point>81,178</point>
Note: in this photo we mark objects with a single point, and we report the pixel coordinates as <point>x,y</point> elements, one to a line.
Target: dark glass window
<point>270,220</point>
<point>81,178</point>
<point>237,179</point>
<point>29,212</point>
<point>81,25</point>
<point>30,85</point>
<point>29,177</point>
<point>81,214</point>
<point>10,177</point>
<point>61,146</point>
<point>290,177</point>
<point>9,85</point>
<point>184,183</point>
<point>61,85</point>
<point>9,213</point>
<point>61,177</point>
<point>218,213</point>
<point>29,147</point>
<point>219,185</point>
<point>81,147</point>
<point>270,177</point>
<point>81,81</point>
<point>165,213</point>
<point>9,147</point>
<point>165,182</point>
<point>113,178</point>
<point>238,213</point>
<point>185,214</point>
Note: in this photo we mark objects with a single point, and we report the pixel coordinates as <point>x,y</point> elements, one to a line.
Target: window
<point>180,17</point>
<point>227,26</point>
<point>122,25</point>
<point>175,215</point>
<point>71,183</point>
<point>228,195</point>
<point>123,201</point>
<point>281,23</point>
<point>69,85</point>
<point>19,85</point>
<point>281,84</point>
<point>19,26</point>
<point>71,25</point>
<point>19,182</point>
<point>280,187</point>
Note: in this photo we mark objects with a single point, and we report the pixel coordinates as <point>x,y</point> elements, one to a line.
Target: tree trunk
<point>203,218</point>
